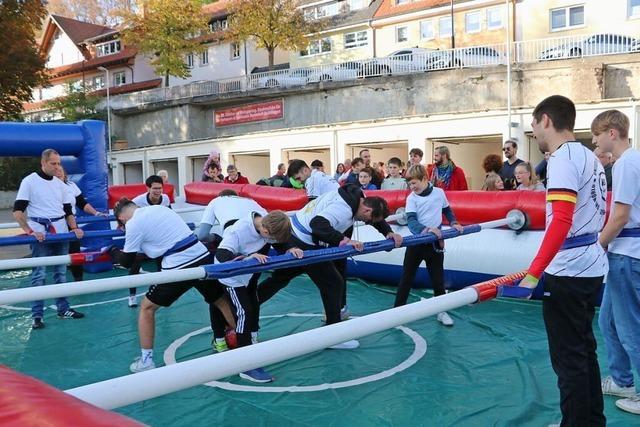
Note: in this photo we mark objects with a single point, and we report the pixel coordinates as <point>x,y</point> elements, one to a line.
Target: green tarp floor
<point>491,369</point>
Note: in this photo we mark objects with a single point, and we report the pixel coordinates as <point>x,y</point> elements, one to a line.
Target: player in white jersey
<point>250,237</point>
<point>315,181</point>
<point>47,204</point>
<point>221,213</point>
<point>179,248</point>
<point>154,194</point>
<point>321,223</point>
<point>573,261</point>
<point>77,199</point>
<point>620,309</point>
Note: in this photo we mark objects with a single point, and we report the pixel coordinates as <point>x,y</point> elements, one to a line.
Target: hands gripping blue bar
<point>229,269</point>
<point>64,237</point>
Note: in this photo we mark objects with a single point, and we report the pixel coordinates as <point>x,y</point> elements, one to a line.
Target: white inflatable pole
<point>18,263</point>
<point>13,296</point>
<point>145,385</point>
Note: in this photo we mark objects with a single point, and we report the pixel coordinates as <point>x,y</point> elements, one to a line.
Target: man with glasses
<point>507,173</point>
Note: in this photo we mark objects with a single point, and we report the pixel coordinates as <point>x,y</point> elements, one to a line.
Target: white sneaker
<point>610,387</point>
<point>347,345</point>
<point>631,404</point>
<point>445,319</point>
<point>138,365</point>
<point>133,301</point>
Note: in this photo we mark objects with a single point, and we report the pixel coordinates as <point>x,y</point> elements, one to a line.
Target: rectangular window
<point>190,60</point>
<point>119,78</point>
<point>494,18</point>
<point>472,22</point>
<point>566,17</point>
<point>317,47</point>
<point>235,50</point>
<point>426,30</point>
<point>97,82</point>
<point>402,34</point>
<point>633,8</point>
<point>108,48</point>
<point>204,57</point>
<point>353,40</point>
<point>402,1</point>
<point>445,26</point>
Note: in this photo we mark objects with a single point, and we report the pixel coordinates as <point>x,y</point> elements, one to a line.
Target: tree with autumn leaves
<point>166,31</point>
<point>271,24</point>
<point>21,66</point>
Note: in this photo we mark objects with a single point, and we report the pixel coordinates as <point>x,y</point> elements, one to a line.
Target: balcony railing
<point>420,60</point>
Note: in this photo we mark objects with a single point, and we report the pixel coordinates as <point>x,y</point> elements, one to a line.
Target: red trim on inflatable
<point>270,198</point>
<point>27,402</point>
<point>116,192</point>
<point>489,289</point>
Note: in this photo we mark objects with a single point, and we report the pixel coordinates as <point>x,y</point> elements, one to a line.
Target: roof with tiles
<point>79,31</point>
<point>390,8</point>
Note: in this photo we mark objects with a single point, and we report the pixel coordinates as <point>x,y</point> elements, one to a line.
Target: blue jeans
<point>620,318</point>
<point>38,274</point>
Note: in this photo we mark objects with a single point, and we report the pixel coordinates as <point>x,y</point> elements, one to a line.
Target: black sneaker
<point>70,314</point>
<point>37,323</point>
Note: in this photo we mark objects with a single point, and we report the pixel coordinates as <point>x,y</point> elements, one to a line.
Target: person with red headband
<point>572,260</point>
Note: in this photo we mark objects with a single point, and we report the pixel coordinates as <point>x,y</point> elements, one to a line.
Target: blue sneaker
<point>258,375</point>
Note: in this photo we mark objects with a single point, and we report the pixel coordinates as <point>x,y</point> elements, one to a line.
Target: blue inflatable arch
<point>82,147</point>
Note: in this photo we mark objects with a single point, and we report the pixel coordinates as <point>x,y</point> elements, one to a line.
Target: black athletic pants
<point>568,308</point>
<point>245,307</point>
<point>413,256</point>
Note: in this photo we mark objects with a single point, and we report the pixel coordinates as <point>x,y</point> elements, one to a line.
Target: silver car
<point>597,44</point>
<point>285,78</point>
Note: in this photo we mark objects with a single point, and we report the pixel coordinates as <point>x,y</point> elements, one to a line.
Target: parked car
<point>286,78</point>
<point>597,44</point>
<point>401,61</point>
<point>339,72</point>
<point>464,57</point>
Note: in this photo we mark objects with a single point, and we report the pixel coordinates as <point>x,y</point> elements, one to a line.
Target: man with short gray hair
<point>48,209</point>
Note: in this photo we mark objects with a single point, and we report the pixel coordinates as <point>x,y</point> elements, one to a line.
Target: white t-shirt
<point>428,209</point>
<point>142,234</point>
<point>626,189</point>
<point>575,174</point>
<point>241,238</point>
<point>392,183</point>
<point>74,191</point>
<point>221,210</point>
<point>319,183</point>
<point>330,206</point>
<point>46,199</point>
<point>142,200</point>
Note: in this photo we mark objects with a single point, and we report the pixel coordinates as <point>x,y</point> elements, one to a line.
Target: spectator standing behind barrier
<point>492,163</point>
<point>162,173</point>
<point>508,170</point>
<point>493,182</point>
<point>48,211</point>
<point>214,157</point>
<point>339,171</point>
<point>234,177</point>
<point>444,173</point>
<point>213,173</point>
<point>605,158</point>
<point>376,178</point>
<point>394,181</point>
<point>620,308</point>
<point>357,165</point>
<point>364,179</point>
<point>527,179</point>
<point>77,199</point>
<point>541,169</point>
<point>154,194</point>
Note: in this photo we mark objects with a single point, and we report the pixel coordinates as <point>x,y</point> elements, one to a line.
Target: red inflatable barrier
<point>116,192</point>
<point>27,402</point>
<point>270,198</point>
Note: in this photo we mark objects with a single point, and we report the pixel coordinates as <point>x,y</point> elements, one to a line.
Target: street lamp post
<point>106,71</point>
